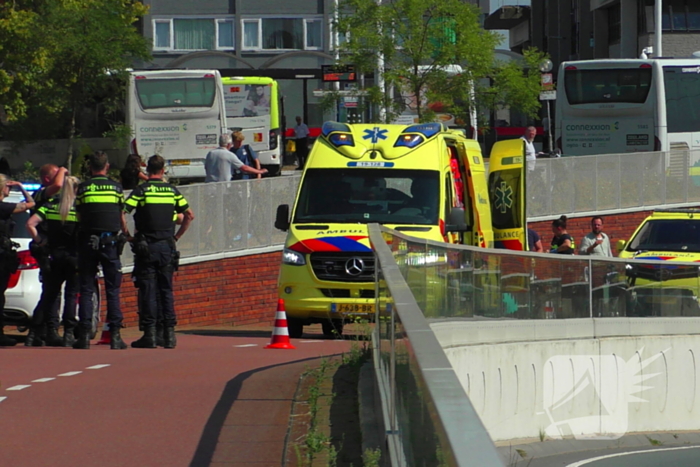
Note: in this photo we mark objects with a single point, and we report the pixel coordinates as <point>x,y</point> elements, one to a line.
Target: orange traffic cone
<point>280,334</point>
<point>106,337</point>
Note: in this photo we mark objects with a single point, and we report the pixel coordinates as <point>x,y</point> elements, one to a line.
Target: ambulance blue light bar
<point>341,139</point>
<point>331,127</point>
<point>31,186</point>
<point>414,135</point>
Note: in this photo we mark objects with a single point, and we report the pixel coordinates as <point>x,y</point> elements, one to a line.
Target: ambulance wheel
<point>295,327</point>
<point>332,328</point>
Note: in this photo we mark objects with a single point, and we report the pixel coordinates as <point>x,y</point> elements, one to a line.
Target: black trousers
<point>88,260</point>
<point>302,146</point>
<point>63,268</point>
<point>154,277</point>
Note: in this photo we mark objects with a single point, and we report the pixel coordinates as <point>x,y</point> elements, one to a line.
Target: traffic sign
<point>548,95</point>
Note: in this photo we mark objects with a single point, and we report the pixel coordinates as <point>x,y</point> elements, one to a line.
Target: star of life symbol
<point>375,134</point>
<point>588,396</point>
<point>504,197</point>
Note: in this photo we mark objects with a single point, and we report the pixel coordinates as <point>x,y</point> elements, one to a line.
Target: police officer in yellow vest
<point>99,206</point>
<point>156,204</point>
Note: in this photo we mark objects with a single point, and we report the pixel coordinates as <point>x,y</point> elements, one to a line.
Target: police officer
<point>157,205</point>
<point>99,206</point>
<point>51,177</point>
<point>59,218</point>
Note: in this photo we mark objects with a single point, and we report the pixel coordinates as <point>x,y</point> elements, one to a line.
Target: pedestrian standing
<point>51,178</point>
<point>245,154</point>
<point>59,218</point>
<point>100,211</point>
<point>8,253</point>
<point>156,205</point>
<point>530,151</point>
<point>596,243</point>
<point>534,242</point>
<point>301,133</point>
<point>562,242</point>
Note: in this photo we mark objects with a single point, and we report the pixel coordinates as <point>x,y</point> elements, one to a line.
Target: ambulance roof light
<point>330,127</point>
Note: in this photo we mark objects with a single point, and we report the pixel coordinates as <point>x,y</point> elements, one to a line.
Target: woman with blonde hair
<point>62,222</point>
<point>8,253</point>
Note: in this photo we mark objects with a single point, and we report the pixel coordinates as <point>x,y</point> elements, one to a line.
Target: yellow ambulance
<point>422,180</point>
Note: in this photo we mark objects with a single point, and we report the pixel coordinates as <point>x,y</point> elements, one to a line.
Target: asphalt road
<point>151,407</point>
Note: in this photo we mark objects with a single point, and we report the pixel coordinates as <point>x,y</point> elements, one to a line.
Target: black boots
<point>68,337</point>
<point>169,340</point>
<point>6,341</point>
<point>160,331</point>
<point>116,342</point>
<point>83,341</point>
<point>148,340</point>
<point>34,338</point>
<point>52,338</point>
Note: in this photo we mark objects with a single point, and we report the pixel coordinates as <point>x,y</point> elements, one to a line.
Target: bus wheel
<point>332,328</point>
<point>273,170</point>
<point>295,327</point>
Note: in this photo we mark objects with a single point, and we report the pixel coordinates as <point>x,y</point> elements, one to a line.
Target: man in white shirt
<point>597,242</point>
<point>530,152</point>
<point>301,133</point>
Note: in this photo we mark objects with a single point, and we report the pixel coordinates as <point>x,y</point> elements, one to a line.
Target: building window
<point>614,24</point>
<point>193,34</point>
<point>283,34</point>
<point>676,16</point>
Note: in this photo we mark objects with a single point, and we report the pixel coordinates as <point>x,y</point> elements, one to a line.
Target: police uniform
<point>37,333</point>
<point>8,260</point>
<point>99,204</point>
<point>157,204</point>
<point>63,267</point>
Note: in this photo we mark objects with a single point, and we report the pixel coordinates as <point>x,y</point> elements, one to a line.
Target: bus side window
<point>144,100</point>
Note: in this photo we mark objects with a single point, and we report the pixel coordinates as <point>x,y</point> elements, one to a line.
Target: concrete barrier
<point>579,378</point>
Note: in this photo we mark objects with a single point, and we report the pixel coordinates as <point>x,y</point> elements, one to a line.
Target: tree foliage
<point>72,53</point>
<point>421,42</point>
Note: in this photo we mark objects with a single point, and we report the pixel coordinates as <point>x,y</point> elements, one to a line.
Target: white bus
<point>178,114</point>
<point>253,107</point>
<point>628,105</point>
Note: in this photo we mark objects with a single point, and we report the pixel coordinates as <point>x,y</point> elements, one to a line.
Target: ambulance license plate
<point>355,307</point>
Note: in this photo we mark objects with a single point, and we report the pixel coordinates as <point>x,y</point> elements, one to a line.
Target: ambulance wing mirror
<point>456,221</point>
<point>282,219</point>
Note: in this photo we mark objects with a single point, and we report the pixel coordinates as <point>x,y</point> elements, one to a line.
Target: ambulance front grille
<point>343,266</point>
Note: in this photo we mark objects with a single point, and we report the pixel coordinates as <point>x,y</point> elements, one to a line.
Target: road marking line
<point>3,398</point>
<point>246,345</point>
<point>19,387</point>
<point>71,373</point>
<point>97,367</point>
<point>311,342</point>
<point>43,380</point>
<point>629,453</point>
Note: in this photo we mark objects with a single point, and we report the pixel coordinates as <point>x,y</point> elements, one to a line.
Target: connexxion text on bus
<point>253,107</point>
<point>178,114</point>
<point>422,180</point>
<point>628,105</point>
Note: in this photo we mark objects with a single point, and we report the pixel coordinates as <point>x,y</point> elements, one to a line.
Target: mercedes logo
<point>354,266</point>
<point>663,275</point>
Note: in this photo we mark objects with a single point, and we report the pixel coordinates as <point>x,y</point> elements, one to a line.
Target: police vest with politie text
<point>99,203</point>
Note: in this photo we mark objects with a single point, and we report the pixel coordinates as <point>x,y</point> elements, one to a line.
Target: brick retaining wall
<point>231,291</point>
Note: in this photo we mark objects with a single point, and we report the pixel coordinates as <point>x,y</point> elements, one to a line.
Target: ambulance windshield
<point>357,195</point>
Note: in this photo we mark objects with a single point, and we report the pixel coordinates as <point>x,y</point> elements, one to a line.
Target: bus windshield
<point>175,92</point>
<point>607,85</point>
<point>369,195</point>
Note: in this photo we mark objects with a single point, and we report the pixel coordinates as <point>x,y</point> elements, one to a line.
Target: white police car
<point>24,289</point>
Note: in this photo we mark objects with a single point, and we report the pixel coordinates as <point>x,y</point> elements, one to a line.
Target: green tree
<point>79,52</point>
<point>436,54</point>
